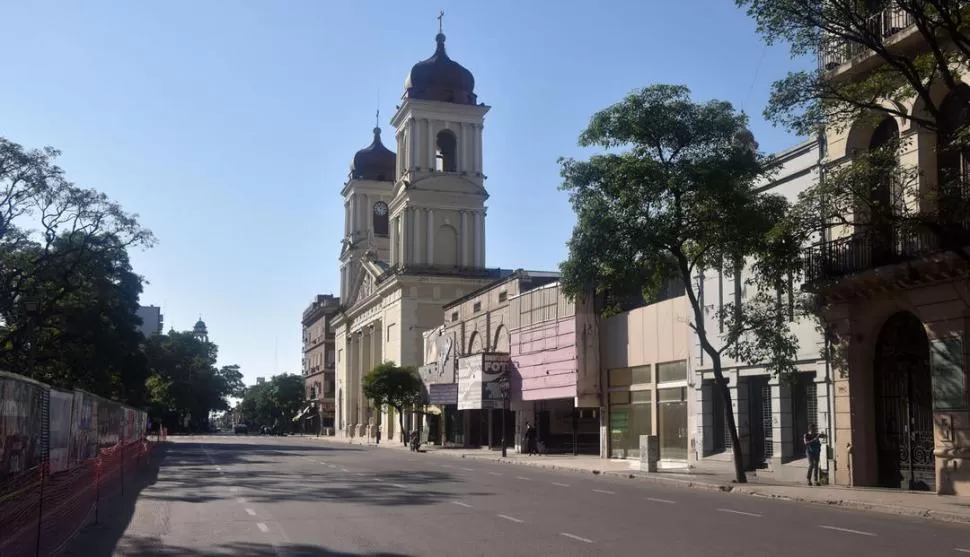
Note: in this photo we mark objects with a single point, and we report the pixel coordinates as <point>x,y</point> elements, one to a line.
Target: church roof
<point>439,78</point>
<point>374,162</point>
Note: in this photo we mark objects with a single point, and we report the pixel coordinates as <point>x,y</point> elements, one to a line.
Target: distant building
<point>260,380</point>
<point>319,362</point>
<point>151,320</point>
<point>200,331</point>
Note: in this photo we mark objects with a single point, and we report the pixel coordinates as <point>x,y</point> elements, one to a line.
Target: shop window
<point>621,377</point>
<point>642,374</point>
<point>672,416</point>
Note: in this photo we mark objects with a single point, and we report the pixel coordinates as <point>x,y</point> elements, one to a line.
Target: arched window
<point>446,159</point>
<point>883,201</point>
<point>953,158</point>
<point>381,219</point>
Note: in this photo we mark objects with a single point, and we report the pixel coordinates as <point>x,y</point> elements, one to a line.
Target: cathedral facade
<point>414,233</point>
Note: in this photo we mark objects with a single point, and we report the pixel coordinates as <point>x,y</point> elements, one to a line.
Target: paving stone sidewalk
<point>905,503</point>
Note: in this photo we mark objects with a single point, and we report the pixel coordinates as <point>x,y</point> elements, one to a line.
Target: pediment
<point>365,283</point>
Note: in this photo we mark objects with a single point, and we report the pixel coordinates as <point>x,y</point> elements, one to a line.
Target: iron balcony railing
<point>840,258</point>
<point>883,24</point>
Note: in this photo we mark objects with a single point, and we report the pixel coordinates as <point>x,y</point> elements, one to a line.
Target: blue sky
<point>229,125</point>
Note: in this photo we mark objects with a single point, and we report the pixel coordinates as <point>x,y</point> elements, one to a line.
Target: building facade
<point>645,356</point>
<point>896,301</point>
<point>151,320</point>
<point>319,363</point>
<point>414,233</point>
<point>772,412</point>
<point>554,350</point>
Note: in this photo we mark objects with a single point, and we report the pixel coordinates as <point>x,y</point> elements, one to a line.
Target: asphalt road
<point>291,497</point>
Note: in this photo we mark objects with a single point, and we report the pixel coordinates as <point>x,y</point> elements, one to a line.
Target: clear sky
<point>229,125</point>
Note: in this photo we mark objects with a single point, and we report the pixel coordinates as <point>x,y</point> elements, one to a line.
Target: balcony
<point>888,25</point>
<point>839,259</point>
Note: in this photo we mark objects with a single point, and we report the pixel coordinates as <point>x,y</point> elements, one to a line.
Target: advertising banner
<point>61,416</point>
<point>494,368</point>
<point>470,383</point>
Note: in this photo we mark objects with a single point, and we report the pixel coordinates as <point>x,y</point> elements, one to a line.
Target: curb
<point>745,490</point>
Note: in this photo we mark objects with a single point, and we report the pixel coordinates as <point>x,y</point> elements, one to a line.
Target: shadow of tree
<point>152,547</point>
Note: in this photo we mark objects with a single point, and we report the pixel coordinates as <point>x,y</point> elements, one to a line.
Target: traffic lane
<point>825,521</point>
<point>866,524</point>
<point>411,525</point>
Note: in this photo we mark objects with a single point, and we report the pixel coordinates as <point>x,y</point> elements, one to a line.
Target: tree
<point>50,227</point>
<point>274,403</point>
<point>397,387</point>
<point>930,78</point>
<point>675,194</point>
<point>88,336</point>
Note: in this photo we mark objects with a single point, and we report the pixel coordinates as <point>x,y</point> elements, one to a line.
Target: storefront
<point>638,400</point>
<point>480,399</point>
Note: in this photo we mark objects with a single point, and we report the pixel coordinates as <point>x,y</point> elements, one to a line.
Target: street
<point>296,497</point>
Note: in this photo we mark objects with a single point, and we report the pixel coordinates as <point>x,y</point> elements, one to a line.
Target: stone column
<point>480,239</point>
<point>353,214</point>
<point>463,239</point>
<point>362,402</point>
<point>429,247</point>
<point>406,254</point>
<point>394,240</point>
<point>429,133</point>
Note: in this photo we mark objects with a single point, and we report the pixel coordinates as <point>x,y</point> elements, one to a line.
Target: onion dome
<point>440,78</point>
<point>374,162</point>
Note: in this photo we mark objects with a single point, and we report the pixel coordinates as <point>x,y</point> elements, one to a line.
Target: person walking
<point>530,439</point>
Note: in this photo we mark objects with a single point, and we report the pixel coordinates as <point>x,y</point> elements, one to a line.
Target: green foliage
<point>806,101</point>
<point>390,385</point>
<point>676,194</point>
<point>274,403</point>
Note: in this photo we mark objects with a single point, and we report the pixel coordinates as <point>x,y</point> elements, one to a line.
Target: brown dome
<point>374,162</point>
<point>440,78</point>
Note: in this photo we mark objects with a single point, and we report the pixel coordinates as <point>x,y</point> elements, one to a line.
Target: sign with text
<point>470,382</point>
<point>494,368</point>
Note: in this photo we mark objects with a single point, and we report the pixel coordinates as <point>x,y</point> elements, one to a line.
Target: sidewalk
<point>904,503</point>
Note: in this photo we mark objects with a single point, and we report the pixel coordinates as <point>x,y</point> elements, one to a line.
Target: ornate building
<point>414,232</point>
<point>319,360</point>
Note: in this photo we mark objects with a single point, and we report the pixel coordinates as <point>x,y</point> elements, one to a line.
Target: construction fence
<point>62,455</point>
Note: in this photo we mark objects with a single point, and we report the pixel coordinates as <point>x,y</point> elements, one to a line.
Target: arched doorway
<point>904,405</point>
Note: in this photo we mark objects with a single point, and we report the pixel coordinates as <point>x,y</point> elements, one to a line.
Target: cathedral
<point>414,233</point>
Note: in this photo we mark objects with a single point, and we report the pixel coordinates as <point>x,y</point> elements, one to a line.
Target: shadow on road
<point>151,547</point>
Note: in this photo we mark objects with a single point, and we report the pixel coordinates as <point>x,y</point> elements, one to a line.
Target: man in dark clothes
<point>813,449</point>
<point>530,439</point>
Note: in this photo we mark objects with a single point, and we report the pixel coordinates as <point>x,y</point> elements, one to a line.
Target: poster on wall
<point>470,383</point>
<point>495,367</point>
<point>61,416</point>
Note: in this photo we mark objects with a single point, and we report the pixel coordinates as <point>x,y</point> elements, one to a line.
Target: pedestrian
<point>530,439</point>
<point>377,435</point>
<point>813,449</point>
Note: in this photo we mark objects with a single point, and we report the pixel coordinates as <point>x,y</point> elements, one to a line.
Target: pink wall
<point>545,357</point>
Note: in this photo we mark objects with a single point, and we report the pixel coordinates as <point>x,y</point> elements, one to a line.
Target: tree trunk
<point>400,422</point>
<point>722,387</point>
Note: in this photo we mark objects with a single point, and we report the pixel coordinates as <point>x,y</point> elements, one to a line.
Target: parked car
<point>241,429</point>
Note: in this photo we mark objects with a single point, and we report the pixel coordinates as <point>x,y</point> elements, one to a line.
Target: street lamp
<point>505,388</point>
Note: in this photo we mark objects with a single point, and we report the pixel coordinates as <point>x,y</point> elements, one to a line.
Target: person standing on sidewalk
<point>813,449</point>
<point>530,439</point>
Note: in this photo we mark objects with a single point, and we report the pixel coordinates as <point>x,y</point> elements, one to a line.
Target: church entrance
<point>904,405</point>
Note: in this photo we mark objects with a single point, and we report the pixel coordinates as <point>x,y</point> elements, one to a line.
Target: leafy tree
<point>397,387</point>
<point>808,101</point>
<point>88,336</point>
<point>274,403</point>
<point>50,228</point>
<point>675,194</point>
<point>184,380</point>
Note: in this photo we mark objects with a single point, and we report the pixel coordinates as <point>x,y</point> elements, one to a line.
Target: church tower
<point>438,208</point>
<point>367,194</point>
<point>200,331</point>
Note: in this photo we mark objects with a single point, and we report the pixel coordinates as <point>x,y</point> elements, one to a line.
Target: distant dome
<point>374,162</point>
<point>199,325</point>
<point>440,78</point>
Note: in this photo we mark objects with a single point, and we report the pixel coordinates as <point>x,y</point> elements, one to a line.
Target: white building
<point>771,413</point>
<point>414,233</point>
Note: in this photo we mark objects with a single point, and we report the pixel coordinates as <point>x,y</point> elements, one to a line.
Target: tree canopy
<point>676,193</point>
<point>390,385</point>
<point>274,403</point>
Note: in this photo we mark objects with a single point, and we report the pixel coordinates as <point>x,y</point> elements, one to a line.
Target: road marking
<point>447,466</point>
<point>219,468</point>
<point>606,491</point>
<point>495,474</point>
<point>262,527</point>
<point>234,488</point>
<point>655,500</point>
<point>344,470</point>
<point>379,480</point>
<point>961,550</point>
<point>332,465</point>
<point>241,500</point>
<point>361,474</point>
<point>250,512</point>
<point>847,530</point>
<point>460,504</point>
<point>511,518</point>
<point>521,478</point>
<point>322,462</point>
<point>575,537</point>
<point>468,469</point>
<point>560,484</point>
<point>739,512</point>
<point>399,486</point>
